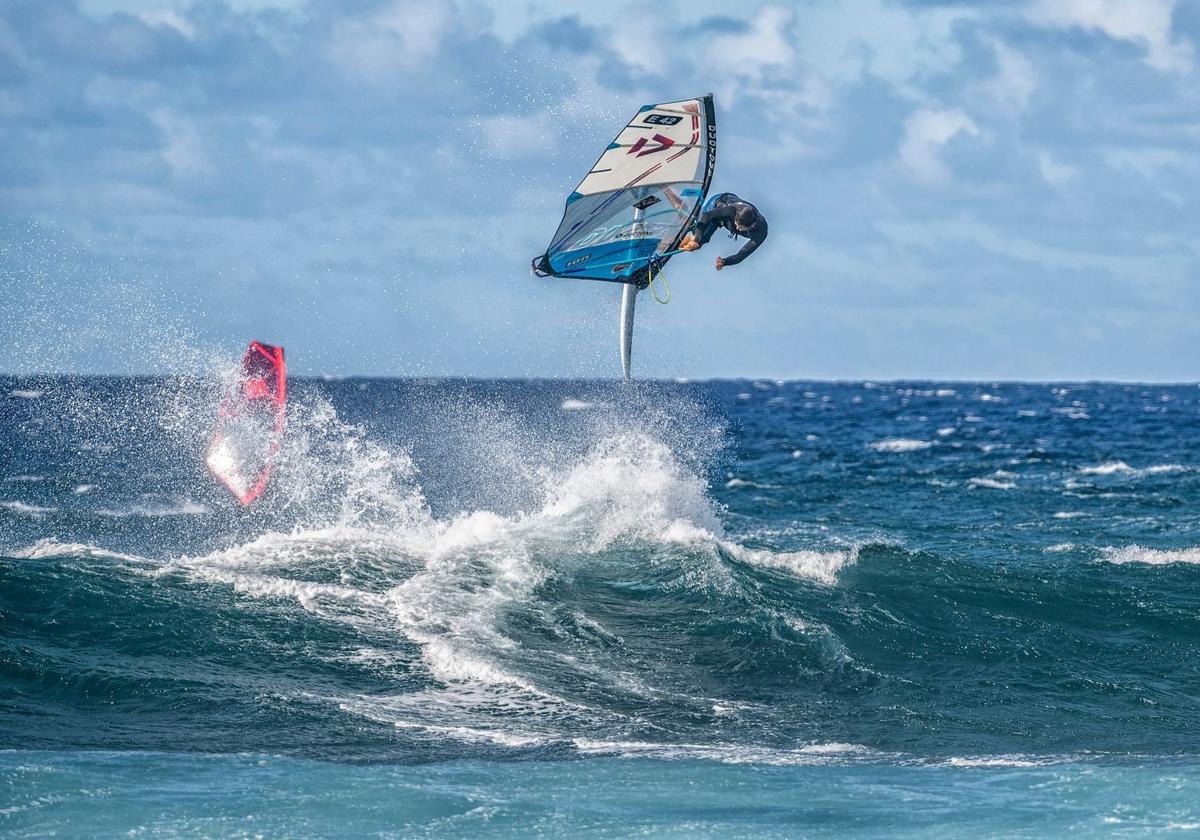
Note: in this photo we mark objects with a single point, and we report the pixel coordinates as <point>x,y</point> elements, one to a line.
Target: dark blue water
<point>581,608</point>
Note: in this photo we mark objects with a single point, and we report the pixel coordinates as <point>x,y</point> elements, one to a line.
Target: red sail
<point>250,424</point>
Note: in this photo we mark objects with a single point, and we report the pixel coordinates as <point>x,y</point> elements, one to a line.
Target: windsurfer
<point>740,218</point>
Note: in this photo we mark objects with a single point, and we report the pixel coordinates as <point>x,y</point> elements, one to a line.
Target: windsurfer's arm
<point>676,201</point>
<point>747,249</point>
<point>757,237</point>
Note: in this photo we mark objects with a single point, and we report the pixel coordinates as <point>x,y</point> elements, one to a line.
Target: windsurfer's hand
<point>720,263</point>
<point>689,243</point>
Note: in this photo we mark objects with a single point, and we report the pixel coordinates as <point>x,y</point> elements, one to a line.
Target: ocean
<point>525,608</point>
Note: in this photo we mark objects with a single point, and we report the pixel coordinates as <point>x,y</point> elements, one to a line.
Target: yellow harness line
<point>666,285</point>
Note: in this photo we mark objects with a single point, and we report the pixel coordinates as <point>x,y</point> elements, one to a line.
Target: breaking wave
<point>626,509</point>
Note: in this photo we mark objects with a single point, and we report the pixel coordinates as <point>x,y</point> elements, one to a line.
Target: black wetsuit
<point>722,214</point>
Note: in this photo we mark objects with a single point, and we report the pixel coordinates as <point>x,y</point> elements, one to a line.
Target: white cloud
<point>743,61</point>
<point>1143,22</point>
<point>1148,162</point>
<point>886,39</point>
<point>639,46</point>
<point>171,19</point>
<point>98,8</point>
<point>184,150</point>
<point>764,44</point>
<point>1054,173</point>
<point>925,133</point>
<point>402,35</point>
<point>763,65</point>
<point>1015,79</point>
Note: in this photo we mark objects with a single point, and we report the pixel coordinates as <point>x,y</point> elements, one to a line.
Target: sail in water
<point>628,215</point>
<point>250,424</point>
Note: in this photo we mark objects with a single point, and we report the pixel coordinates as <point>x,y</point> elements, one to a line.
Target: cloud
<point>883,39</point>
<point>1015,79</point>
<point>170,18</point>
<point>1146,23</point>
<point>925,134</point>
<point>1055,174</point>
<point>393,38</point>
<point>183,148</point>
<point>764,43</point>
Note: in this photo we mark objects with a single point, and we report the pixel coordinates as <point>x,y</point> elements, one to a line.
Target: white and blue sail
<point>629,213</point>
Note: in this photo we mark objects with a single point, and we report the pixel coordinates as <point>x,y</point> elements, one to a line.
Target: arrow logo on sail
<point>664,143</point>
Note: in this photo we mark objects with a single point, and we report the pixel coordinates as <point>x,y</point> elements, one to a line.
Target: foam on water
<point>1015,761</point>
<point>817,566</point>
<point>26,509</point>
<point>51,548</point>
<point>992,483</point>
<point>809,755</point>
<point>1122,468</point>
<point>899,445</point>
<point>1150,556</point>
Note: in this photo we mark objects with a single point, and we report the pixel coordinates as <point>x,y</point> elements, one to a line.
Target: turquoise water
<point>156,794</point>
<point>579,608</point>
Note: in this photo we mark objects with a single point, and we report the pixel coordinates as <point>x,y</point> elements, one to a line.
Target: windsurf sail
<point>627,216</point>
<point>250,424</point>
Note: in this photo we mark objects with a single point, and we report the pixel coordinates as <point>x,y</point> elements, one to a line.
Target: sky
<point>975,190</point>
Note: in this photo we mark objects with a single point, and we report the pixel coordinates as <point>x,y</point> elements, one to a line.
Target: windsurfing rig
<point>630,212</point>
<point>250,424</point>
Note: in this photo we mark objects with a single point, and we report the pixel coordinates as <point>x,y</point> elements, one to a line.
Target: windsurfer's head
<point>745,218</point>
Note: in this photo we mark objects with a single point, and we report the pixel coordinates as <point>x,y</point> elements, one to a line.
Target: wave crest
<point>1151,556</point>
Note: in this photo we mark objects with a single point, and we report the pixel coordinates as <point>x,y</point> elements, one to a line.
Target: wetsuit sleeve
<point>708,223</point>
<point>757,238</point>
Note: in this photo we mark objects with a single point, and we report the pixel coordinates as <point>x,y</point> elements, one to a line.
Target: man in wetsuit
<point>740,218</point>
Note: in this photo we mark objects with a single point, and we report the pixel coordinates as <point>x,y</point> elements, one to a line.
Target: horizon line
<point>678,380</point>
